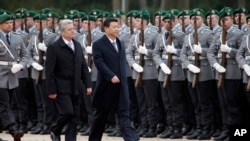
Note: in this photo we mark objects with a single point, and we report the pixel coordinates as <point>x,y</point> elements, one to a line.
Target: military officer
<point>201,94</point>
<point>13,58</point>
<point>29,15</point>
<point>146,93</point>
<point>37,48</point>
<point>213,15</point>
<point>229,93</point>
<point>184,18</point>
<point>175,90</point>
<point>53,22</point>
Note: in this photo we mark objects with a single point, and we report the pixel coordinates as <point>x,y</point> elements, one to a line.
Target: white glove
<point>165,68</point>
<point>137,68</point>
<point>143,50</point>
<point>197,48</point>
<point>225,48</point>
<point>193,68</point>
<point>42,47</point>
<point>89,49</point>
<point>16,68</point>
<point>219,68</point>
<point>247,69</point>
<point>37,66</point>
<point>89,69</point>
<point>171,49</point>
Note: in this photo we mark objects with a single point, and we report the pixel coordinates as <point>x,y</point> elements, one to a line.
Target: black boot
<point>151,133</point>
<point>167,132</point>
<point>195,134</point>
<point>177,134</point>
<point>15,133</point>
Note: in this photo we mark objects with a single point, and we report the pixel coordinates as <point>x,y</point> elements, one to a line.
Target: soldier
<point>53,22</point>
<point>248,21</point>
<point>158,20</point>
<point>212,17</point>
<point>146,93</point>
<point>240,19</point>
<point>89,26</point>
<point>184,18</point>
<point>229,93</point>
<point>13,58</point>
<point>30,21</point>
<point>200,93</point>
<point>95,13</point>
<point>37,47</point>
<point>171,44</point>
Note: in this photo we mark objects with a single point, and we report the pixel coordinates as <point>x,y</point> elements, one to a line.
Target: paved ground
<point>30,137</point>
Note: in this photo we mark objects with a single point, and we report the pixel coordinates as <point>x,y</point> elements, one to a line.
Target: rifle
<point>170,55</point>
<point>89,44</point>
<point>248,84</point>
<point>131,27</point>
<point>21,14</point>
<point>160,15</point>
<point>210,22</point>
<point>25,24</point>
<point>102,28</point>
<point>183,24</point>
<point>53,24</point>
<point>40,53</point>
<point>14,22</point>
<point>223,57</point>
<point>197,56</point>
<point>239,21</point>
<point>138,81</point>
<point>78,24</point>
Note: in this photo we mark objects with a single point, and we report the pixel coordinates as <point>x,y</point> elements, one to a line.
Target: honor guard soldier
<point>212,19</point>
<point>158,20</point>
<point>184,17</point>
<point>243,59</point>
<point>139,53</point>
<point>240,19</point>
<point>95,13</point>
<point>173,91</point>
<point>221,55</point>
<point>89,27</point>
<point>200,74</point>
<point>37,47</point>
<point>29,15</point>
<point>248,21</point>
<point>13,58</point>
<point>53,19</point>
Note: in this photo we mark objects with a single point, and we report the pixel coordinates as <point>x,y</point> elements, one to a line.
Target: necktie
<point>70,44</point>
<point>8,39</point>
<point>115,46</point>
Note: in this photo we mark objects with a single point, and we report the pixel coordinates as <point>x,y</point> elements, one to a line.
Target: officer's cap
<point>160,12</point>
<point>212,12</point>
<point>132,13</point>
<point>21,10</point>
<point>30,13</point>
<point>168,15</point>
<point>79,15</point>
<point>89,17</point>
<point>240,10</point>
<point>95,12</point>
<point>226,12</point>
<point>197,12</point>
<point>46,10</point>
<point>52,15</point>
<point>5,17</point>
<point>104,14</point>
<point>143,14</point>
<point>40,17</point>
<point>66,16</point>
<point>115,15</point>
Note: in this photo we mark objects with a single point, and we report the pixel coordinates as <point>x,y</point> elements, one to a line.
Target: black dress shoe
<point>222,137</point>
<point>54,137</point>
<point>151,133</point>
<point>24,128</point>
<point>110,129</point>
<point>186,129</point>
<point>160,128</point>
<point>37,129</point>
<point>190,132</point>
<point>177,134</point>
<point>205,135</point>
<point>167,132</point>
<point>216,133</point>
<point>16,133</point>
<point>86,132</point>
<point>195,134</point>
<point>83,129</point>
<point>46,130</point>
<point>142,131</point>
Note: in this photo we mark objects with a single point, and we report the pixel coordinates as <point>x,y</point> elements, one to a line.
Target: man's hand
<point>165,68</point>
<point>16,68</point>
<point>115,80</point>
<point>37,66</point>
<point>143,50</point>
<point>137,67</point>
<point>219,68</point>
<point>42,47</point>
<point>193,68</point>
<point>225,48</point>
<point>52,96</point>
<point>89,49</point>
<point>197,48</point>
<point>171,49</point>
<point>89,91</point>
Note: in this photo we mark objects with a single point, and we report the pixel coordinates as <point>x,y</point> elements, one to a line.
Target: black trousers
<point>176,92</point>
<point>229,97</point>
<point>148,104</point>
<point>167,106</point>
<point>68,112</point>
<point>6,114</point>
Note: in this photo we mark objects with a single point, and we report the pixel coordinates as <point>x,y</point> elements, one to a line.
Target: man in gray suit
<point>13,58</point>
<point>229,93</point>
<point>147,92</point>
<point>172,98</point>
<point>201,95</point>
<point>87,50</point>
<point>44,104</point>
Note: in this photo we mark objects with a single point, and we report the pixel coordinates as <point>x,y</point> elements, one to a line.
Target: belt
<point>166,57</point>
<point>37,58</point>
<point>193,57</point>
<point>220,55</point>
<point>145,58</point>
<point>247,57</point>
<point>6,63</point>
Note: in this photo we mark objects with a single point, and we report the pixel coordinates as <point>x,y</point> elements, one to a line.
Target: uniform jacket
<point>20,53</point>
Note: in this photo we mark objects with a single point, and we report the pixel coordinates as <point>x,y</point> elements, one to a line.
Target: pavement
<point>31,137</point>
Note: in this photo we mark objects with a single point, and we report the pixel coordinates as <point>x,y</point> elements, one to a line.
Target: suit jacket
<point>65,69</point>
<point>109,63</point>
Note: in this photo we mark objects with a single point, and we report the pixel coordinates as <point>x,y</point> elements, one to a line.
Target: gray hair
<point>63,23</point>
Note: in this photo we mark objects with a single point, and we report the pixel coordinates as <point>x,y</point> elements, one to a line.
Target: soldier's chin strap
<point>11,55</point>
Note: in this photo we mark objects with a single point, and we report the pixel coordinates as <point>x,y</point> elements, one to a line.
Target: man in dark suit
<point>66,69</point>
<point>111,90</point>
